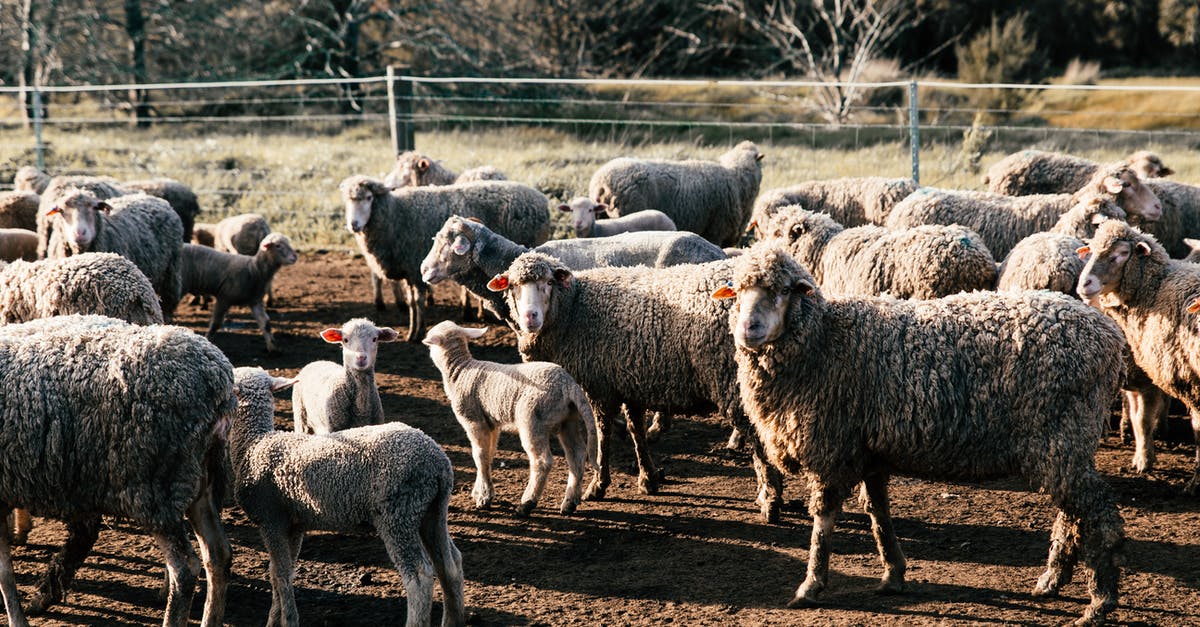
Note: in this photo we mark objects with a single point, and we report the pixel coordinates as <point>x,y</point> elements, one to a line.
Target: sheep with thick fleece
<point>853,201</point>
<point>330,397</point>
<point>583,219</point>
<point>645,338</point>
<point>927,261</point>
<point>711,199</point>
<point>18,210</point>
<point>105,418</point>
<point>99,187</point>
<point>235,279</point>
<point>1180,216</point>
<point>18,244</point>
<point>1129,276</point>
<point>391,478</point>
<point>393,228</point>
<point>1008,384</point>
<point>30,179</point>
<point>1002,221</point>
<point>92,283</point>
<point>1048,261</point>
<point>1031,172</point>
<point>141,228</point>
<point>413,169</point>
<point>535,399</point>
<point>181,198</point>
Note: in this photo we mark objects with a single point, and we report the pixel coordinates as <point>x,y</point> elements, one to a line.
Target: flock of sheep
<point>875,328</point>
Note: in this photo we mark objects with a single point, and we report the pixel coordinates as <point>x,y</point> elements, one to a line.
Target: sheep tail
<point>584,409</point>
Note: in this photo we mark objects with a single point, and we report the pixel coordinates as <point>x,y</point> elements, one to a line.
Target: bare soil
<point>695,554</point>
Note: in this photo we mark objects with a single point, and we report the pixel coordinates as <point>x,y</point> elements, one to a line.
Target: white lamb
<point>536,399</point>
<point>330,397</point>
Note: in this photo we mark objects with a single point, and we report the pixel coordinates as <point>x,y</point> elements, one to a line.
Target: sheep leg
<point>648,475</point>
<point>416,570</point>
<point>601,477</point>
<point>416,311</point>
<point>377,292</point>
<point>1144,408</point>
<point>8,579</point>
<point>270,292</point>
<point>572,435</point>
<point>464,299</point>
<point>1129,400</point>
<point>22,525</point>
<point>483,450</point>
<point>768,479</point>
<point>220,308</point>
<point>894,566</point>
<point>1064,554</point>
<point>205,516</point>
<point>736,438</point>
<point>264,325</point>
<point>824,504</point>
<point>660,423</point>
<point>537,447</point>
<point>447,560</point>
<point>177,550</point>
<point>279,545</point>
<point>81,536</point>
<point>1194,482</point>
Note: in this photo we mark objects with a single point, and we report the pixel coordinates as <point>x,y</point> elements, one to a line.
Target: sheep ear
<point>422,165</point>
<point>281,383</point>
<point>1165,171</point>
<point>103,206</point>
<point>1192,243</point>
<point>804,287</point>
<point>1194,306</point>
<point>1113,185</point>
<point>1142,248</point>
<point>499,283</point>
<point>601,208</point>
<point>460,245</point>
<point>387,334</point>
<point>53,211</point>
<point>562,276</point>
<point>724,292</point>
<point>474,334</point>
<point>268,245</point>
<point>759,156</point>
<point>432,340</point>
<point>564,207</point>
<point>1083,252</point>
<point>333,336</point>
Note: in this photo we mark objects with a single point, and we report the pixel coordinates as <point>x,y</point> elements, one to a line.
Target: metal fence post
<point>914,131</point>
<point>400,111</point>
<point>37,129</point>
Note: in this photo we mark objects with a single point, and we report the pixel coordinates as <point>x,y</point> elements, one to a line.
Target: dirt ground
<point>695,554</point>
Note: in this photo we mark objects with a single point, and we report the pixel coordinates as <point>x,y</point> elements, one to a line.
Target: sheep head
<point>529,284</point>
<point>360,340</point>
<point>358,194</point>
<point>766,281</point>
<point>77,216</point>
<point>1118,258</point>
<point>1119,182</point>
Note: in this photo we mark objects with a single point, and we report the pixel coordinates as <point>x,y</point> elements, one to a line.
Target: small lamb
<point>536,399</point>
<point>329,397</point>
<point>584,213</point>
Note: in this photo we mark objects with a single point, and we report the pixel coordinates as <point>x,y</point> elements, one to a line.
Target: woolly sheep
<point>92,283</point>
<point>18,244</point>
<point>583,219</point>
<point>99,187</point>
<point>1048,261</point>
<point>392,228</point>
<point>923,262</point>
<point>241,234</point>
<point>1035,172</point>
<point>30,179</point>
<point>392,478</point>
<point>1002,221</point>
<point>1129,276</point>
<point>711,199</point>
<point>850,201</point>
<point>535,399</point>
<point>330,397</point>
<point>645,338</point>
<point>1180,216</point>
<point>1008,384</point>
<point>18,210</point>
<point>138,227</point>
<point>141,447</point>
<point>235,279</point>
<point>413,169</point>
<point>181,198</point>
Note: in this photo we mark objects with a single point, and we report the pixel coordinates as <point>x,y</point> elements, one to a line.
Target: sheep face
<point>530,294</point>
<point>76,216</point>
<point>450,253</point>
<point>1136,199</point>
<point>360,340</point>
<point>766,282</point>
<point>583,214</point>
<point>358,194</point>
<point>409,168</point>
<point>279,247</point>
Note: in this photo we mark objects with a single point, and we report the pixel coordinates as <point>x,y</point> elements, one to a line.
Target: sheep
<point>1036,172</point>
<point>330,397</point>
<point>416,170</point>
<point>102,417</point>
<point>235,279</point>
<point>1048,261</point>
<point>645,338</point>
<point>850,201</point>
<point>583,219</point>
<point>181,198</point>
<point>92,283</point>
<point>18,210</point>
<point>1129,276</point>
<point>141,228</point>
<point>391,228</point>
<point>922,262</point>
<point>1002,221</point>
<point>1180,216</point>
<point>1008,384</point>
<point>30,179</point>
<point>100,187</point>
<point>535,399</point>
<point>18,244</point>
<point>240,234</point>
<point>711,199</point>
<point>392,478</point>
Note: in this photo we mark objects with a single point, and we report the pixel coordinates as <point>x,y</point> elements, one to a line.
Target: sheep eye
<point>785,291</point>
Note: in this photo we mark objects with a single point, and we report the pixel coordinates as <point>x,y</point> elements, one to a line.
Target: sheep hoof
<point>595,492</point>
<point>801,602</point>
<point>526,508</point>
<point>890,587</point>
<point>771,511</point>
<point>648,484</point>
<point>1045,589</point>
<point>568,507</point>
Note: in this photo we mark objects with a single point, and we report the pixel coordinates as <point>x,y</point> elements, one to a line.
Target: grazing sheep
<point>330,397</point>
<point>92,283</point>
<point>30,179</point>
<point>1048,261</point>
<point>393,228</point>
<point>923,262</point>
<point>711,199</point>
<point>18,210</point>
<point>583,220</point>
<point>181,198</point>
<point>235,279</point>
<point>97,423</point>
<point>535,399</point>
<point>850,201</point>
<point>1009,384</point>
<point>141,228</point>
<point>391,478</point>
<point>99,187</point>
<point>1002,221</point>
<point>18,244</point>
<point>1180,216</point>
<point>645,338</point>
<point>414,169</point>
<point>1036,172</point>
<point>1129,276</point>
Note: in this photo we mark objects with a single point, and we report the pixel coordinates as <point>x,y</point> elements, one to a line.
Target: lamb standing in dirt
<point>1009,384</point>
<point>141,447</point>
<point>852,202</point>
<point>711,199</point>
<point>534,399</point>
<point>1031,172</point>
<point>235,279</point>
<point>330,397</point>
<point>391,478</point>
<point>584,213</point>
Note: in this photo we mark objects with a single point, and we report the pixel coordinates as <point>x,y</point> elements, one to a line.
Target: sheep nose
<point>1088,287</point>
<point>533,321</point>
<point>360,361</point>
